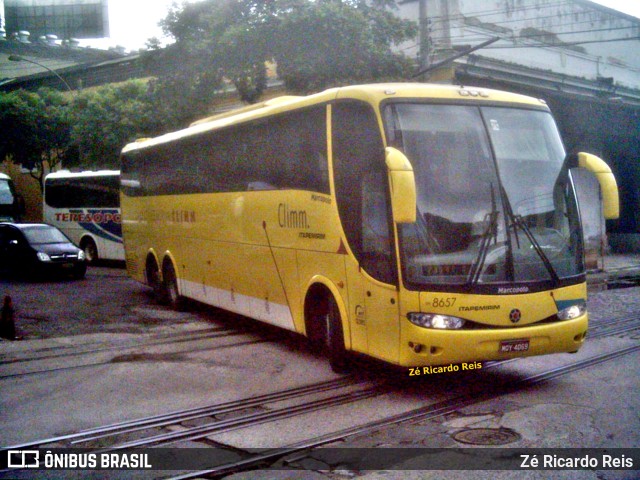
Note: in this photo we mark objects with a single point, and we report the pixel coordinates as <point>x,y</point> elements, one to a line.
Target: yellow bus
<point>418,224</point>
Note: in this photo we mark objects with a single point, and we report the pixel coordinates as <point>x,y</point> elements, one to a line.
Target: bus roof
<point>372,93</point>
<point>86,173</point>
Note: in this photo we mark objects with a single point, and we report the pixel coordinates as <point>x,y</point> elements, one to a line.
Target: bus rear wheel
<point>171,294</point>
<point>90,250</point>
<point>154,280</point>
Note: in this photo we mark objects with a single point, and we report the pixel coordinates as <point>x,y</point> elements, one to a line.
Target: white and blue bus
<point>11,204</point>
<point>86,207</point>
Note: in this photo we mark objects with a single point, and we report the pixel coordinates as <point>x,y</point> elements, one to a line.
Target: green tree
<point>314,43</point>
<point>336,42</point>
<point>107,118</point>
<point>185,94</point>
<point>225,39</point>
<point>34,129</point>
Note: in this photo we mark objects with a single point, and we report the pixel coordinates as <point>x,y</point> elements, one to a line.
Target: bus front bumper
<point>423,347</point>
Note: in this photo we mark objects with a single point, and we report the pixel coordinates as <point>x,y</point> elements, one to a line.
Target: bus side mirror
<point>403,186</point>
<point>608,185</point>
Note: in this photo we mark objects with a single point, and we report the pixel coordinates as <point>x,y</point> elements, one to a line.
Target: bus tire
<point>154,280</point>
<point>170,287</point>
<point>336,351</point>
<point>90,250</point>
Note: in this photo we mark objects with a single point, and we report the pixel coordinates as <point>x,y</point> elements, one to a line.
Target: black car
<point>37,249</point>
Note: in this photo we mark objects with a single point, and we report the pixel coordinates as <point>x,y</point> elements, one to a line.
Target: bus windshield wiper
<point>489,232</point>
<point>518,221</point>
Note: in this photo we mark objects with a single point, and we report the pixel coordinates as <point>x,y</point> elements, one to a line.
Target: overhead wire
<point>533,36</point>
<point>435,28</point>
<point>565,44</point>
<point>501,11</point>
<point>522,20</point>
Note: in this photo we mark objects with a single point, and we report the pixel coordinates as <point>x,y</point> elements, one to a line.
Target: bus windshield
<point>10,202</point>
<point>494,202</point>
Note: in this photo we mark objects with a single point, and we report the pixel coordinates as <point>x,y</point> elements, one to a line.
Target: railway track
<point>203,423</point>
<point>438,409</point>
<point>122,351</point>
<point>244,407</point>
<point>614,326</point>
<point>244,414</point>
<point>87,349</point>
<point>236,414</point>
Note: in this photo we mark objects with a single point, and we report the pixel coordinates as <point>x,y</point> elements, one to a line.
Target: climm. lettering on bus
<point>97,217</point>
<point>290,218</point>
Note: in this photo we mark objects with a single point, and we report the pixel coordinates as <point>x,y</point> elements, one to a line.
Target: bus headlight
<point>574,311</point>
<point>432,320</point>
<point>43,257</point>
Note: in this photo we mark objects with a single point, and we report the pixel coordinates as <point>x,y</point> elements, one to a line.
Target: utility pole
<point>446,24</point>
<point>425,40</point>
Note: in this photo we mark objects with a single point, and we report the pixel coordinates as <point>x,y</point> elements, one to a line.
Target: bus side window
<point>298,145</point>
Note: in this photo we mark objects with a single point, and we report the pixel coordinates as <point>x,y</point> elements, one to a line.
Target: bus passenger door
<point>373,312</point>
<point>381,317</point>
<point>378,271</point>
<point>361,189</point>
<point>357,306</point>
<point>373,295</point>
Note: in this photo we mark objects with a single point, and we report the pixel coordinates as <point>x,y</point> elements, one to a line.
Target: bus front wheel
<point>337,353</point>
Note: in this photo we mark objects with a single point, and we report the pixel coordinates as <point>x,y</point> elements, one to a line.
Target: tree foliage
<point>314,43</point>
<point>107,118</point>
<point>330,42</point>
<point>44,129</point>
<point>34,129</point>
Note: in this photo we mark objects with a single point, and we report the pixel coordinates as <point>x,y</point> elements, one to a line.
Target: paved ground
<point>106,301</point>
<point>597,407</point>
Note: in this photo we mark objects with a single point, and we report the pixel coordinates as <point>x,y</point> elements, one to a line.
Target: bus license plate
<point>510,346</point>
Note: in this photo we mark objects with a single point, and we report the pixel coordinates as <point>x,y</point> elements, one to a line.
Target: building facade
<point>66,19</point>
<point>577,55</point>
